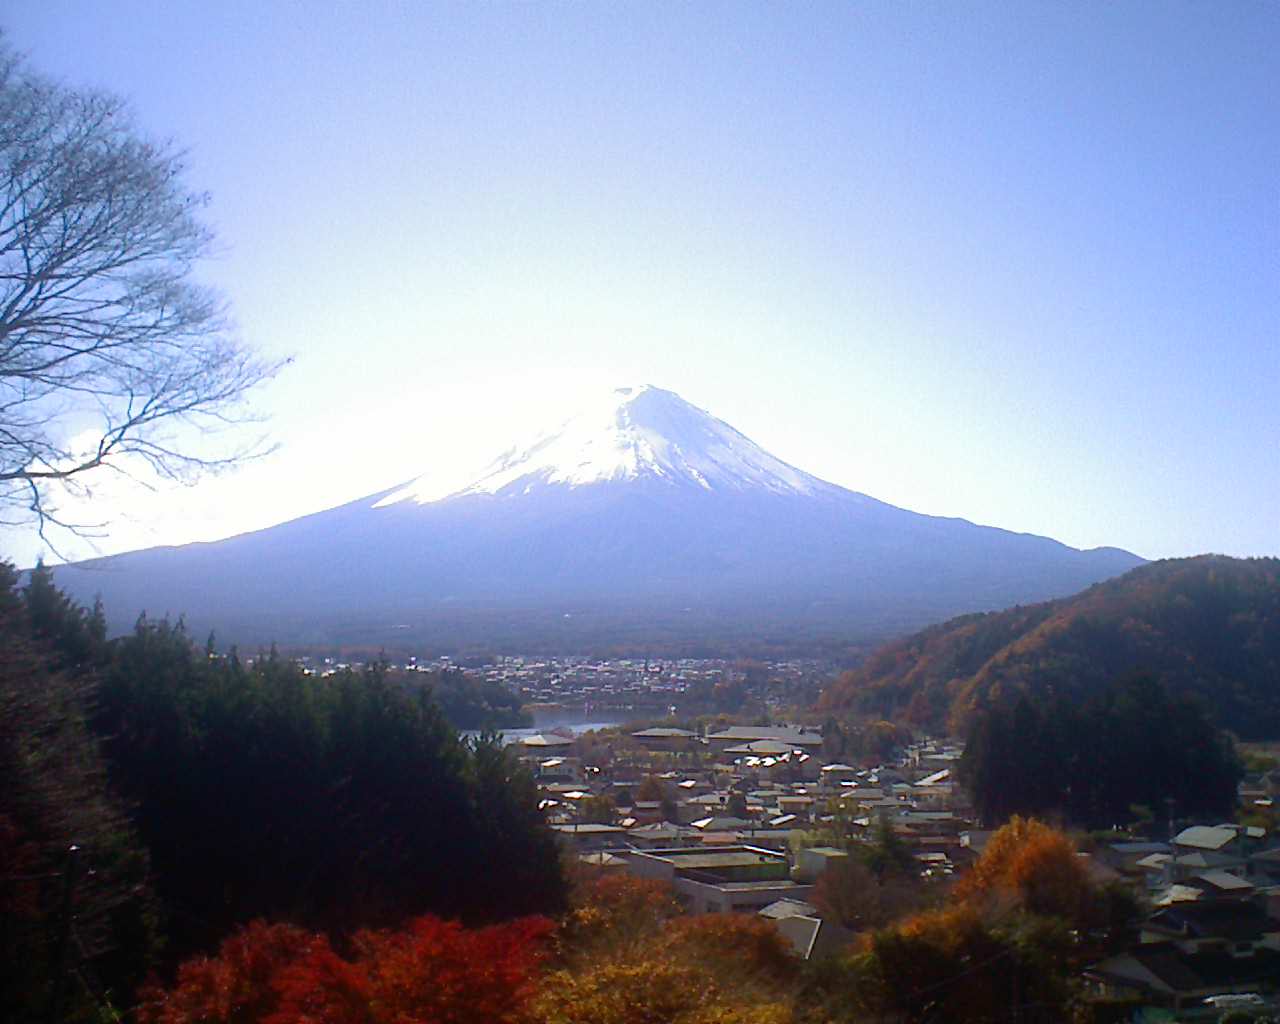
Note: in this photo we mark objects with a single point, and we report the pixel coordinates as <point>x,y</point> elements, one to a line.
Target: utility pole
<point>64,932</point>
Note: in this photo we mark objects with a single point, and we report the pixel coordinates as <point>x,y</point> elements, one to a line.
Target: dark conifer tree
<point>337,802</point>
<point>1131,744</point>
<point>77,930</point>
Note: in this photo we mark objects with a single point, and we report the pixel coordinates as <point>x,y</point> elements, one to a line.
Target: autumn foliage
<point>746,948</point>
<point>621,956</point>
<point>432,972</point>
<point>659,990</point>
<point>1187,620</point>
<point>995,952</point>
<point>1035,865</point>
<point>234,986</point>
<point>709,969</point>
<point>613,911</point>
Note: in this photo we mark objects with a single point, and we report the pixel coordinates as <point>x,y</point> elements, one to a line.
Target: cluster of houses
<point>766,786</point>
<point>627,686</point>
<point>728,818</point>
<point>608,689</point>
<point>1212,938</point>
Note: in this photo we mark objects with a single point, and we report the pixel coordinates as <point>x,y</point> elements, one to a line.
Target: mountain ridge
<point>644,503</point>
<point>1209,625</point>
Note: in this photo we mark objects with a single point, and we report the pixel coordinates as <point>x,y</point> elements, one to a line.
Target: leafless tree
<point>104,332</point>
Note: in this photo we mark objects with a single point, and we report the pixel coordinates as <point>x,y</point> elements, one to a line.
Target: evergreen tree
<point>77,929</point>
<point>337,802</point>
<point>1132,744</point>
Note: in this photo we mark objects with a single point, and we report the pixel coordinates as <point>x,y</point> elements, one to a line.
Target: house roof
<point>588,828</point>
<point>789,908</point>
<point>775,839</point>
<point>762,748</point>
<point>712,860</point>
<point>1204,859</point>
<point>1161,966</point>
<point>662,733</point>
<point>1129,849</point>
<point>1233,920</point>
<point>546,739</point>
<point>810,936</point>
<point>1178,894</point>
<point>802,931</point>
<point>1154,861</point>
<point>747,733</point>
<point>1205,837</point>
<point>662,828</point>
<point>723,824</point>
<point>603,859</point>
<point>720,838</point>
<point>1222,881</point>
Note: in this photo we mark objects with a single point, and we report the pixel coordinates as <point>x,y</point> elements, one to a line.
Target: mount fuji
<point>641,516</point>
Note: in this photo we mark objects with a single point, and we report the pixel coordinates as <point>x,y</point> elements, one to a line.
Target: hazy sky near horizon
<point>1014,263</point>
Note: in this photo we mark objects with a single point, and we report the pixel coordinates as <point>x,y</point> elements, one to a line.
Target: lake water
<point>578,720</point>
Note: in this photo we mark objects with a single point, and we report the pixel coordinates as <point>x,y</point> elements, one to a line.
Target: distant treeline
<point>205,792</point>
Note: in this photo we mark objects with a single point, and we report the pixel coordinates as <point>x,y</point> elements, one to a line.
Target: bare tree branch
<point>101,321</point>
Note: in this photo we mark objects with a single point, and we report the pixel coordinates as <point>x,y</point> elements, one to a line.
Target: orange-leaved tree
<point>1034,866</point>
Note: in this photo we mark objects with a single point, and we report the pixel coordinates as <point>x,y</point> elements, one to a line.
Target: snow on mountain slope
<point>642,513</point>
<point>630,434</point>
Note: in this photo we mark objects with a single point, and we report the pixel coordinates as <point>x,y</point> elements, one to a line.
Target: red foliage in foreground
<point>433,971</point>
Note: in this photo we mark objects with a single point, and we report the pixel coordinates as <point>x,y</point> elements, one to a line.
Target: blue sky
<point>1015,263</point>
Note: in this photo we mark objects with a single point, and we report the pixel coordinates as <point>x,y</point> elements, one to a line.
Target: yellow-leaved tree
<point>628,959</point>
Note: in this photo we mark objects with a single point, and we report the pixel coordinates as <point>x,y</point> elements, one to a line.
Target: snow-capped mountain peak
<point>632,433</point>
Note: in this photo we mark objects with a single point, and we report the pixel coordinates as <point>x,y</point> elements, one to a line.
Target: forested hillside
<point>1207,627</point>
<point>204,790</point>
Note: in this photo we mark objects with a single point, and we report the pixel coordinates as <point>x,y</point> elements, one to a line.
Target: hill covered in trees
<point>204,790</point>
<point>1206,627</point>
